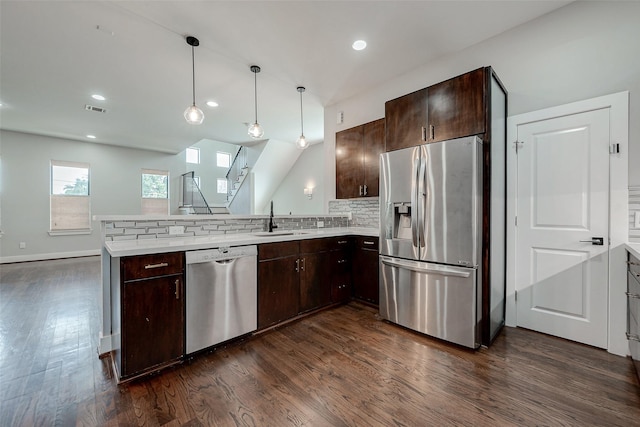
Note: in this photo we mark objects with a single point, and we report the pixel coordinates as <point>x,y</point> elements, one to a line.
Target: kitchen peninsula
<point>144,258</point>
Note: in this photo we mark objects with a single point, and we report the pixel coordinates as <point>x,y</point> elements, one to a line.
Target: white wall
<point>581,51</point>
<point>306,172</point>
<point>208,171</point>
<point>115,186</point>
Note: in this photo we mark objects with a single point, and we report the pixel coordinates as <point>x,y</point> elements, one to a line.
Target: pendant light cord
<point>193,75</point>
<point>255,92</point>
<point>301,117</point>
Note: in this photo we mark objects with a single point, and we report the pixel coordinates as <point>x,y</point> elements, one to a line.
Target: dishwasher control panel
<point>221,253</point>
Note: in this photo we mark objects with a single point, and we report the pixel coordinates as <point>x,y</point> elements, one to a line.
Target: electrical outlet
<point>636,222</point>
<point>176,229</point>
<point>320,224</point>
<point>23,245</point>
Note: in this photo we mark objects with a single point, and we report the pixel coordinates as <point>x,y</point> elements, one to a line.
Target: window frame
<point>57,202</point>
<point>151,205</point>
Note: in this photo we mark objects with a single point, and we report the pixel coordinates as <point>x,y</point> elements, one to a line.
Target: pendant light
<point>193,114</point>
<point>255,130</point>
<point>301,143</point>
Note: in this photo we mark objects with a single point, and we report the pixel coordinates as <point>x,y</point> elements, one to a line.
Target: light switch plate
<point>636,222</point>
<point>320,224</point>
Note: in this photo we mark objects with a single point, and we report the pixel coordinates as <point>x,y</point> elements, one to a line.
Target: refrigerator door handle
<point>415,212</point>
<point>421,201</point>
<point>419,268</point>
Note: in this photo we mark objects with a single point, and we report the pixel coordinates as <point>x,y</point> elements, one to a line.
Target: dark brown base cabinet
<point>365,270</point>
<point>150,313</point>
<point>301,276</point>
<point>633,310</point>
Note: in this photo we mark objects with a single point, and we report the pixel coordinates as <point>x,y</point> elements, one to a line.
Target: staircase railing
<point>192,196</point>
<point>236,171</point>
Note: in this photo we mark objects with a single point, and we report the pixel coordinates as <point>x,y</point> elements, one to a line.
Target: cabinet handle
<point>342,261</point>
<point>177,288</point>
<point>361,190</point>
<point>432,132</point>
<point>632,337</point>
<point>368,242</point>
<point>630,295</point>
<point>342,242</point>
<point>633,263</point>
<point>424,133</point>
<point>159,265</point>
<point>365,190</point>
<point>302,266</point>
<point>298,265</point>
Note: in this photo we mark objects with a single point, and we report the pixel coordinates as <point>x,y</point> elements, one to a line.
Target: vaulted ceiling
<point>56,54</point>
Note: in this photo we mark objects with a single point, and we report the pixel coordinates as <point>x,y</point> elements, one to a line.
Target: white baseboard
<point>42,257</point>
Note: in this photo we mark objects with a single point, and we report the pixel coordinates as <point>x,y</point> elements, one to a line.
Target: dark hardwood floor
<point>340,367</point>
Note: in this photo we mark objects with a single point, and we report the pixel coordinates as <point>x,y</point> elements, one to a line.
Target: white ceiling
<point>55,54</point>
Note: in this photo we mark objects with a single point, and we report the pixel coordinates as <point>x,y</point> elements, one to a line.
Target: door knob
<point>596,241</point>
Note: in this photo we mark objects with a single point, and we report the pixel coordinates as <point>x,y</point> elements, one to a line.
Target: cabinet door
<point>406,120</point>
<point>349,175</point>
<point>341,285</point>
<point>277,290</point>
<point>315,289</point>
<point>456,107</point>
<point>152,326</point>
<point>373,146</point>
<point>366,275</point>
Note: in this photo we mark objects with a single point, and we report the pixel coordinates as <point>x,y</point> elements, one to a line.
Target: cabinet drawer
<point>633,297</point>
<point>325,244</point>
<point>278,250</point>
<point>367,242</point>
<point>144,266</point>
<point>634,266</point>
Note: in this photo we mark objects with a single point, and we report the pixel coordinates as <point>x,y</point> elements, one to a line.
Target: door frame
<point>618,105</point>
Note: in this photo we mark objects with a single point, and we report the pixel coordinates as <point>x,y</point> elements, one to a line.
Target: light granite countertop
<point>153,246</point>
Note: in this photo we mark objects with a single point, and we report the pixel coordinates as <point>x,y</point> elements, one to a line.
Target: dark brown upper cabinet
<point>456,107</point>
<point>406,120</point>
<point>358,152</point>
<point>451,109</point>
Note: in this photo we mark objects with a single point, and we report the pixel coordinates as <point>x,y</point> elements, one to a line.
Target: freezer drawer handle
<point>417,268</point>
<point>630,295</point>
<point>633,337</point>
<point>369,242</point>
<point>159,265</point>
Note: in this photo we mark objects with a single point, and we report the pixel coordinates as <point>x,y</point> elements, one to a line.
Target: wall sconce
<point>308,191</point>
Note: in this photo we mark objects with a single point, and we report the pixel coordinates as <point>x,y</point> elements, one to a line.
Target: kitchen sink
<point>279,233</point>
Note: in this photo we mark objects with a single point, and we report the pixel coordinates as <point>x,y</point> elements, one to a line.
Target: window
<point>223,160</point>
<point>193,155</point>
<point>222,186</point>
<point>70,205</point>
<point>155,192</point>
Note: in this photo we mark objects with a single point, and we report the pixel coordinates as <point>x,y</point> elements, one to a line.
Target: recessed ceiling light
<point>98,97</point>
<point>359,44</point>
<point>91,136</point>
<point>212,103</point>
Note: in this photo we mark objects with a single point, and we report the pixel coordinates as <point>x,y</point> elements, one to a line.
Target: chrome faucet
<point>271,224</point>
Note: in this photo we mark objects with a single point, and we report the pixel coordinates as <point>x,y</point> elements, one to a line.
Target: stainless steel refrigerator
<point>431,239</point>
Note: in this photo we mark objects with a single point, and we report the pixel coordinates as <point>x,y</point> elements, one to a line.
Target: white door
<point>562,204</point>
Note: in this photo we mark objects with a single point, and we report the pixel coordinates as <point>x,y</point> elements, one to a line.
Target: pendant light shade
<point>193,115</point>
<point>301,143</point>
<point>255,130</point>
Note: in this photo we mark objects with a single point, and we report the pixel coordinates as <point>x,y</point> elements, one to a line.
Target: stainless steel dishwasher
<point>221,295</point>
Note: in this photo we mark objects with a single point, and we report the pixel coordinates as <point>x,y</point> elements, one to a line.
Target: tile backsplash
<point>191,225</point>
<point>364,212</point>
<point>634,209</point>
